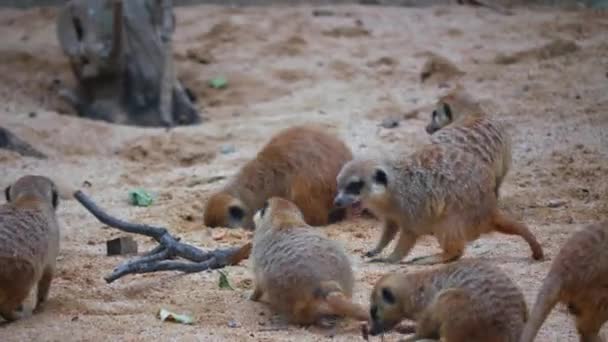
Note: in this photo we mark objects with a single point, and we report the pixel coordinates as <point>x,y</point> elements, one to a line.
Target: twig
<point>169,248</point>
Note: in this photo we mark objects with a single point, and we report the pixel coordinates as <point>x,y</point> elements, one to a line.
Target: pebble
<point>227,149</point>
<point>389,123</point>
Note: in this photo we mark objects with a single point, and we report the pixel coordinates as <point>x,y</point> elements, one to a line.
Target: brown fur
<point>469,128</point>
<point>303,275</point>
<point>464,301</point>
<point>300,164</point>
<point>579,278</point>
<point>29,243</point>
<point>439,190</point>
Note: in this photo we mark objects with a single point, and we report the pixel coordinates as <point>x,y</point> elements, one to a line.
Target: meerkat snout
<point>440,117</point>
<point>356,183</point>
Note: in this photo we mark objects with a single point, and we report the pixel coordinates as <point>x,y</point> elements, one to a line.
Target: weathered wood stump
<point>120,53</point>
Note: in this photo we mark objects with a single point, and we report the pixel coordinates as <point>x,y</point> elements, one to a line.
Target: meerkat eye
<point>447,110</point>
<point>55,200</point>
<point>263,211</point>
<point>388,296</point>
<point>7,193</point>
<point>380,177</point>
<point>236,212</point>
<point>373,312</point>
<point>355,187</point>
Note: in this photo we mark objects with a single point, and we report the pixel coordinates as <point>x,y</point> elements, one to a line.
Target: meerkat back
<point>303,274</point>
<point>460,121</point>
<point>578,277</point>
<point>300,164</point>
<point>29,243</point>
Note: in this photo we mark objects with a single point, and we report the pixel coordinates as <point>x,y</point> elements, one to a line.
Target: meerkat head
<point>440,117</point>
<point>39,187</point>
<point>225,210</point>
<point>390,302</point>
<point>278,213</point>
<point>361,181</point>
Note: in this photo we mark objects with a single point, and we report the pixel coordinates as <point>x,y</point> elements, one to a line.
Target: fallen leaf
<point>224,284</point>
<point>140,198</point>
<point>166,315</point>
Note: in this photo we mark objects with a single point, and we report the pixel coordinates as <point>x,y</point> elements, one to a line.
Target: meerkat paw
<point>372,253</point>
<point>427,260</point>
<point>388,260</point>
<point>256,295</point>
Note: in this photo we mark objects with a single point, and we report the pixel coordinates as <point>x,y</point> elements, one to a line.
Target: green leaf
<point>140,198</point>
<point>166,315</point>
<point>218,82</point>
<point>224,284</point>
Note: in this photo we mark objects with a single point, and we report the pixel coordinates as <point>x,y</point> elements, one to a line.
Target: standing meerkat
<point>458,120</point>
<point>302,274</point>
<point>579,278</point>
<point>300,164</point>
<point>467,301</point>
<point>439,190</point>
<point>29,243</point>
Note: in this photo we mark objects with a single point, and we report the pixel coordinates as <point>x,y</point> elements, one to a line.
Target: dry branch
<point>169,247</point>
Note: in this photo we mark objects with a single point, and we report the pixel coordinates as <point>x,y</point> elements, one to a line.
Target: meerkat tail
<point>336,303</point>
<point>547,298</point>
<point>343,306</point>
<point>506,225</point>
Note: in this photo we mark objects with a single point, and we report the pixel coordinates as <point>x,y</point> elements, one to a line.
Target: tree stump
<point>120,53</point>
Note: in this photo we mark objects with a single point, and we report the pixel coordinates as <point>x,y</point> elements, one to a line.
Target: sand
<point>544,72</point>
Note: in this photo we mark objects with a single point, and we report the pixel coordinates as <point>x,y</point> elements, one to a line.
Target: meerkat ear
<point>236,212</point>
<point>388,296</point>
<point>7,193</point>
<point>263,210</point>
<point>448,111</point>
<point>380,177</point>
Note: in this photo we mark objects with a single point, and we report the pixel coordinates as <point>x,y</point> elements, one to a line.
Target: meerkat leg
<point>12,308</point>
<point>388,234</point>
<point>505,225</point>
<point>588,326</point>
<point>406,242</point>
<point>44,284</point>
<point>304,195</point>
<point>453,249</point>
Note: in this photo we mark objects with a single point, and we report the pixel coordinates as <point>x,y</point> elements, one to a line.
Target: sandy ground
<point>285,66</point>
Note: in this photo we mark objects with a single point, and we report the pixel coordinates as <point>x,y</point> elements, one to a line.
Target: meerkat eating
<point>458,120</point>
<point>438,190</point>
<point>578,277</point>
<point>466,301</point>
<point>302,274</point>
<point>29,243</point>
<point>300,164</point>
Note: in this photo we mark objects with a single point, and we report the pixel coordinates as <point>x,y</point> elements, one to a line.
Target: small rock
<point>121,246</point>
<point>578,97</point>
<point>233,324</point>
<point>86,184</point>
<point>32,114</point>
<point>227,149</point>
<point>74,319</point>
<point>389,123</point>
<point>555,203</point>
<point>443,85</point>
<point>525,88</point>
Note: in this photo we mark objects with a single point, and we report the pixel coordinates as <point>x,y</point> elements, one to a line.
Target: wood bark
<point>120,53</point>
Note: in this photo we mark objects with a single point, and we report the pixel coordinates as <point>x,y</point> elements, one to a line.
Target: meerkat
<point>302,274</point>
<point>460,121</point>
<point>578,277</point>
<point>463,301</point>
<point>29,243</point>
<point>438,190</point>
<point>300,164</point>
